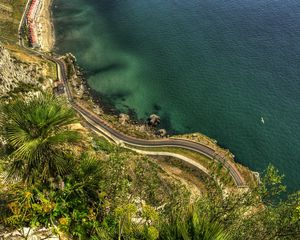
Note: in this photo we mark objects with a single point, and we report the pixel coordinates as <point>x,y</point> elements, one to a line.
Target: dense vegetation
<point>64,178</point>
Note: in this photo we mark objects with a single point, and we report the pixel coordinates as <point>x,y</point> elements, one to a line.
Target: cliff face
<point>13,72</point>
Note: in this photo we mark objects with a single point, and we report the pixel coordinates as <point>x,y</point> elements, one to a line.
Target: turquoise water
<point>211,66</point>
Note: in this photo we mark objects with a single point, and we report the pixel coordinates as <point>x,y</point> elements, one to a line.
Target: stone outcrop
<point>162,132</point>
<point>13,72</point>
<point>154,120</point>
<point>123,118</point>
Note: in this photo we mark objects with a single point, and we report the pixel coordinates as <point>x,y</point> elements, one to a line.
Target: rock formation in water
<point>162,132</point>
<point>154,120</point>
<point>124,118</point>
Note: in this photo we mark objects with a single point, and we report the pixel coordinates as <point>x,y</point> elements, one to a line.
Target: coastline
<point>97,102</point>
<point>91,100</point>
<point>47,44</point>
<point>46,27</point>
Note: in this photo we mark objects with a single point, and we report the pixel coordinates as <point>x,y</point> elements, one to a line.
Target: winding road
<point>98,125</point>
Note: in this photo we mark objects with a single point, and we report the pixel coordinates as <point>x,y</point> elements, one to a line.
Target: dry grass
<point>10,15</point>
<point>213,166</point>
<point>51,70</point>
<point>195,186</point>
<point>48,68</point>
<point>22,55</point>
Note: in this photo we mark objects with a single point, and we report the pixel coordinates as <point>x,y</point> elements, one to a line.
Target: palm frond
<point>37,128</point>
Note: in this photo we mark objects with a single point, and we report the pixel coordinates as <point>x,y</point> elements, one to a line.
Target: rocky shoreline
<point>82,92</point>
<point>124,122</point>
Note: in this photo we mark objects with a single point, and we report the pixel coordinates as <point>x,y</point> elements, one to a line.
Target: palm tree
<point>38,131</point>
<point>192,224</point>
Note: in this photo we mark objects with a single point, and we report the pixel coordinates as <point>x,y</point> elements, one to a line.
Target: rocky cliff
<point>13,72</point>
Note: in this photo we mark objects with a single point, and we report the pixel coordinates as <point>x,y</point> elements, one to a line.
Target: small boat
<point>262,120</point>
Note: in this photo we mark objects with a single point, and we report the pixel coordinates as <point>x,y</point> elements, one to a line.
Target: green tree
<point>76,209</point>
<point>257,213</point>
<point>271,186</point>
<point>37,131</point>
<point>270,215</point>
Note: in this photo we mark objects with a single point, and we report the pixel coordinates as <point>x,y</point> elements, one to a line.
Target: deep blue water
<point>211,66</point>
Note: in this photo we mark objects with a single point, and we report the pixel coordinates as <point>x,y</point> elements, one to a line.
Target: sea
<point>229,69</point>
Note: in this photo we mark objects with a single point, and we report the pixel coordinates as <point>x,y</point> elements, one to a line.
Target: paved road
<point>110,132</point>
<point>97,124</point>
